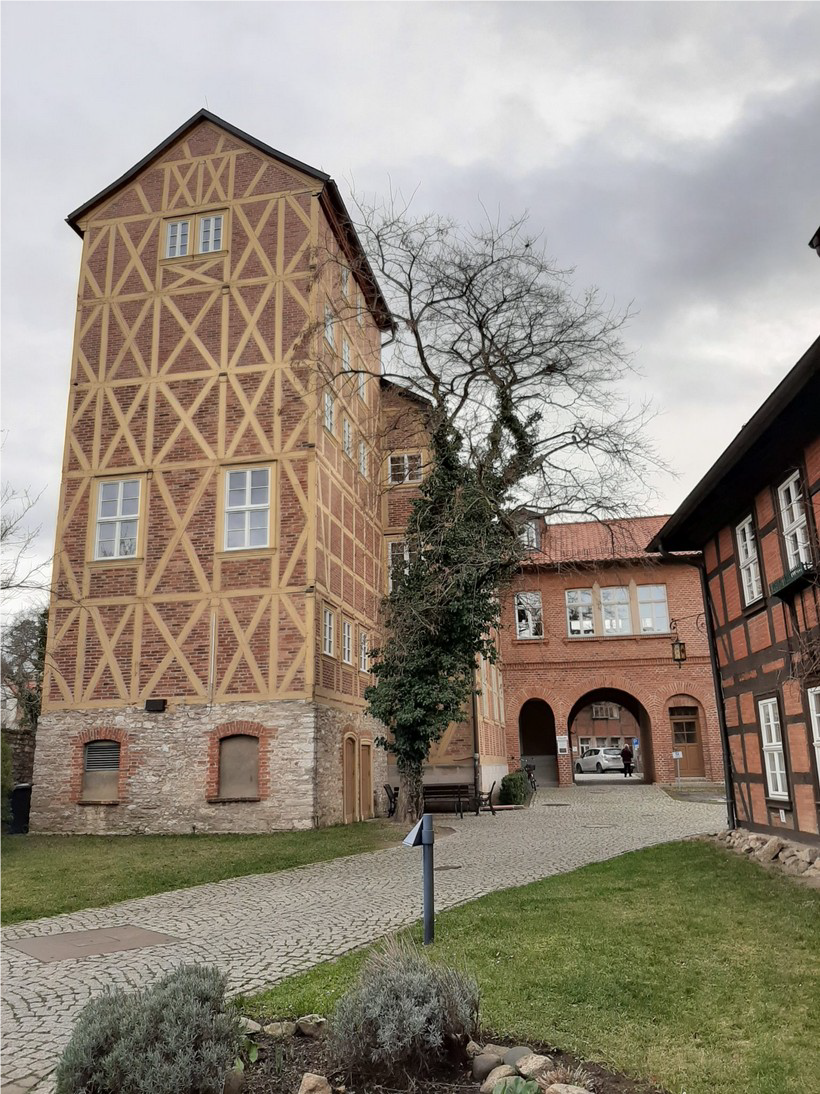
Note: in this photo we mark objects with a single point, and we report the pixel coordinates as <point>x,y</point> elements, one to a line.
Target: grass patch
<point>684,965</point>
<point>47,875</point>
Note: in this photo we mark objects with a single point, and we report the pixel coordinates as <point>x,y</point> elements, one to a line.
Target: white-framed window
<point>600,742</point>
<point>398,561</point>
<point>584,743</point>
<point>747,558</point>
<point>347,642</point>
<point>529,533</point>
<point>330,330</point>
<point>362,383</point>
<point>615,610</point>
<point>210,233</point>
<point>330,404</point>
<point>614,742</point>
<point>405,467</point>
<point>176,238</point>
<point>363,459</point>
<point>347,437</point>
<point>653,610</point>
<point>529,622</point>
<point>813,696</point>
<point>329,633</point>
<point>773,757</point>
<point>795,525</point>
<point>118,511</point>
<point>607,711</point>
<point>364,652</point>
<point>360,308</point>
<point>580,618</point>
<point>247,508</point>
<point>344,278</point>
<point>345,355</point>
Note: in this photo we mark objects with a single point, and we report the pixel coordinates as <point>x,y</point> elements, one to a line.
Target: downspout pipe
<point>476,767</point>
<point>700,566</point>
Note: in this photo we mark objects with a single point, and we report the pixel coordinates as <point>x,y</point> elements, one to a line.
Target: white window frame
<point>247,508</point>
<point>748,561</point>
<point>606,712</point>
<point>345,354</point>
<point>404,467</point>
<point>616,610</point>
<point>794,521</point>
<point>528,615</point>
<point>586,613</point>
<point>330,332</point>
<point>364,652</point>
<point>529,533</point>
<point>774,757</point>
<point>347,642</point>
<point>172,246</point>
<point>363,459</point>
<point>117,517</point>
<point>347,437</point>
<point>584,747</point>
<point>362,383</point>
<point>329,411</point>
<point>813,696</point>
<point>329,633</point>
<point>213,224</point>
<point>401,548</point>
<point>653,602</point>
<point>344,280</point>
<point>360,308</point>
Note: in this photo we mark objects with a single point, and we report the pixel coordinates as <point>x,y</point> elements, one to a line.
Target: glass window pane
<point>258,537</point>
<point>236,480</point>
<point>110,491</point>
<point>130,507</point>
<point>108,509</point>
<point>235,521</point>
<point>259,518</point>
<point>131,489</point>
<point>259,478</point>
<point>235,539</point>
<point>259,495</point>
<point>236,499</point>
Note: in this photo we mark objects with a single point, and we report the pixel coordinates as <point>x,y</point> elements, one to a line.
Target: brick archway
<point>612,715</point>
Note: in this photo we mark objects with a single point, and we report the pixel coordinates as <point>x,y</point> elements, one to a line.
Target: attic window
<point>176,245</point>
<point>205,230</point>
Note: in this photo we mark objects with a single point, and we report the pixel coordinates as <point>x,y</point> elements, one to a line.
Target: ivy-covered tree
<point>23,661</point>
<point>523,382</point>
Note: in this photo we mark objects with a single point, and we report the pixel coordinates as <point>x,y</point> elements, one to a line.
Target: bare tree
<point>17,537</point>
<point>521,385</point>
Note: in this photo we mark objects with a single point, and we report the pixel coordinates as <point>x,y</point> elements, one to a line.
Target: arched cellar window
<point>101,771</point>
<point>239,767</point>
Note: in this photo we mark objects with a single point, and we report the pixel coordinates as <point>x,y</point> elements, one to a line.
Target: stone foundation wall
<point>22,743</point>
<point>169,769</point>
<point>332,727</point>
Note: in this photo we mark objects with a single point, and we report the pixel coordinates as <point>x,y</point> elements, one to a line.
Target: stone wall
<point>168,782</point>
<point>22,743</point>
<point>332,727</point>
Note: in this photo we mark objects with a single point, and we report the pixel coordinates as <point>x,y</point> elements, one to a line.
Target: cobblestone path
<point>260,929</point>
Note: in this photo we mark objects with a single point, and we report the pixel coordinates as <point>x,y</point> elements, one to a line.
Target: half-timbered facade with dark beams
<point>220,552</point>
<point>755,515</point>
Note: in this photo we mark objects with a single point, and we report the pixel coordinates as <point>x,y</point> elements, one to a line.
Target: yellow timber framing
<point>124,395</point>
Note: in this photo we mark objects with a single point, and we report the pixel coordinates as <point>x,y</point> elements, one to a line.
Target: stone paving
<point>260,929</point>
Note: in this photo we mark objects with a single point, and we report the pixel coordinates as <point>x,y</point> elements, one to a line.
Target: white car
<point>600,760</point>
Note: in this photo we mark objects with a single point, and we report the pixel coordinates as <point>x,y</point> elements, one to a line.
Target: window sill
<point>123,560</point>
<point>534,638</point>
<point>245,552</point>
<point>197,256</point>
<point>100,801</point>
<point>664,635</point>
<point>779,803</point>
<point>231,801</point>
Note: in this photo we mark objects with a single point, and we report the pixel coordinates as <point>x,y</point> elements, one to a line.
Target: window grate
<point>102,756</point>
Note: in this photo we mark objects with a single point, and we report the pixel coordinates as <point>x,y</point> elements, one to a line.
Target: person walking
<point>628,757</point>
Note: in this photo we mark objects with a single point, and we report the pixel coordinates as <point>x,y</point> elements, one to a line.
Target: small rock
<point>484,1064</point>
<point>234,1082</point>
<point>473,1049</point>
<point>248,1025</point>
<point>532,1065</point>
<point>314,1084</point>
<point>806,855</point>
<point>498,1073</point>
<point>311,1025</point>
<point>280,1030</point>
<point>496,1050</point>
<point>770,849</point>
<point>795,866</point>
<point>513,1055</point>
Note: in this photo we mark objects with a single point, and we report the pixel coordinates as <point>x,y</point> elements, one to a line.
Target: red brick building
<point>586,647</point>
<point>755,516</point>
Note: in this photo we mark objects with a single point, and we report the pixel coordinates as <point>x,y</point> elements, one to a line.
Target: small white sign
<point>677,755</point>
<point>563,745</point>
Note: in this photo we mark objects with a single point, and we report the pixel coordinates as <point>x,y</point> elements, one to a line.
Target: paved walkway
<point>263,928</point>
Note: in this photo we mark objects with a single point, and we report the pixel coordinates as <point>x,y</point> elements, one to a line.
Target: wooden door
<point>349,779</point>
<point>686,738</point>
<point>365,781</point>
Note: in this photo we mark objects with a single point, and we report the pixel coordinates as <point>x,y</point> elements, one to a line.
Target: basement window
<point>239,767</point>
<point>101,771</point>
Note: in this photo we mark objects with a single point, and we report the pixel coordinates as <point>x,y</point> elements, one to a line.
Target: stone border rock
<point>797,860</point>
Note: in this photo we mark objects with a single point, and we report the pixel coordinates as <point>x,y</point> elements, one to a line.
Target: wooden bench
<point>451,796</point>
<point>392,799</point>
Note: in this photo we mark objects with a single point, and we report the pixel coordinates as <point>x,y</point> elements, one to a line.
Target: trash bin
<point>20,808</point>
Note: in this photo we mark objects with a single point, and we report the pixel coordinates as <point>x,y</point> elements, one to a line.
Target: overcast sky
<point>669,152</point>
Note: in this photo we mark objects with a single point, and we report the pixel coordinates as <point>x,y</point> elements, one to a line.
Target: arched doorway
<point>536,737</point>
<point>608,718</point>
<point>349,779</point>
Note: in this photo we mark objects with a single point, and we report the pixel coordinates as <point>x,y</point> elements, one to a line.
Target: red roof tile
<point>597,541</point>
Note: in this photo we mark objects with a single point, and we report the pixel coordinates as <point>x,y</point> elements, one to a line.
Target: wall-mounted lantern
<point>678,647</point>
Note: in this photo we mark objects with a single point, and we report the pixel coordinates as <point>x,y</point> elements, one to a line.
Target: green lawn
<point>46,875</point>
<point>683,964</point>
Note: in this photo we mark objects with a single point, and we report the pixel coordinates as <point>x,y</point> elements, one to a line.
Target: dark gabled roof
<point>332,202</point>
<point>405,392</point>
<point>773,435</point>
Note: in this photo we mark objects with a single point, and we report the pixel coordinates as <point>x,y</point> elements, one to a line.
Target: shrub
<point>404,1016</point>
<point>177,1037</point>
<point>516,1084</point>
<point>515,788</point>
<point>575,1076</point>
